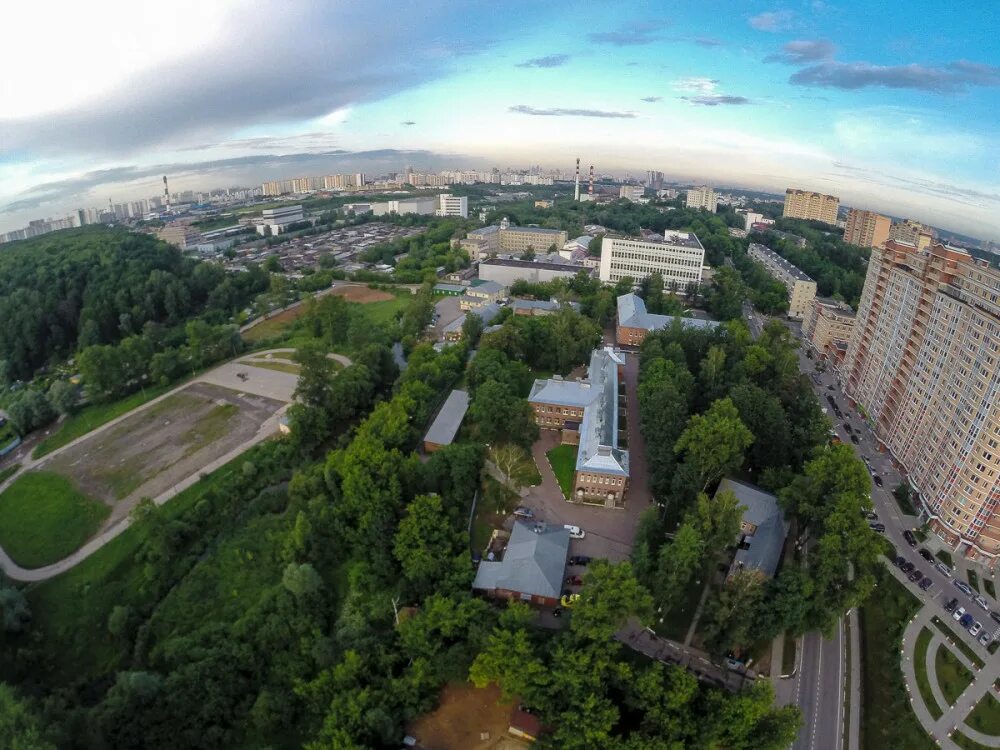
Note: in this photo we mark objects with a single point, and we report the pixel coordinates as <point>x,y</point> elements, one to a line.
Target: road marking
<point>816,702</point>
<point>840,681</point>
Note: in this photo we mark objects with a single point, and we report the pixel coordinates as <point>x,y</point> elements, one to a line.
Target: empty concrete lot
<point>158,446</point>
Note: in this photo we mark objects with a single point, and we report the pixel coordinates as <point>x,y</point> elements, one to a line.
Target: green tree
<point>677,564</point>
<point>610,595</point>
<point>501,417</point>
<point>718,520</point>
<point>509,661</point>
<point>120,621</point>
<point>20,729</point>
<point>472,328</point>
<point>15,614</point>
<point>302,579</point>
<point>63,396</point>
<point>725,301</point>
<point>726,622</point>
<point>431,554</point>
<point>714,442</point>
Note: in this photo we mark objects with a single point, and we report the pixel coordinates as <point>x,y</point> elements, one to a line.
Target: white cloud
<point>904,133</point>
<point>697,85</point>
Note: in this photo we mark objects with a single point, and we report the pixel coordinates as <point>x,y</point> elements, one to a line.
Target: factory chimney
<point>576,191</point>
<point>166,194</point>
<point>590,188</point>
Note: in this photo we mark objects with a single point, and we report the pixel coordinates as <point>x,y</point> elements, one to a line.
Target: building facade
<point>923,367</point>
<point>586,412</point>
<point>826,323</point>
<point>508,270</point>
<point>912,233</point>
<point>678,258</point>
<point>801,288</point>
<point>453,205</point>
<point>803,204</point>
<point>634,323</point>
<point>631,192</point>
<point>702,197</point>
<point>519,239</point>
<point>866,228</point>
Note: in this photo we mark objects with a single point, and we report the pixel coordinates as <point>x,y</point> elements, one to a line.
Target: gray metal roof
<point>486,287</point>
<point>445,426</point>
<point>540,304</point>
<point>562,392</point>
<point>762,510</point>
<point>534,230</point>
<point>544,265</point>
<point>789,268</point>
<point>488,313</point>
<point>632,314</point>
<point>533,563</point>
<point>449,288</point>
<point>598,449</point>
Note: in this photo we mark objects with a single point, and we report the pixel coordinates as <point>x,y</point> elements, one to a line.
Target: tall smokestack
<point>576,191</point>
<point>166,193</point>
<point>590,188</point>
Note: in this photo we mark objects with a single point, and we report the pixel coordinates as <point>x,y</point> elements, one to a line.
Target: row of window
<point>601,479</point>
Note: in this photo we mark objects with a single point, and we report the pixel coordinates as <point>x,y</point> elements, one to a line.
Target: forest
<point>68,290</point>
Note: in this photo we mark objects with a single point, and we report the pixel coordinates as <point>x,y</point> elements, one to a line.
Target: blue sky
<point>892,106</point>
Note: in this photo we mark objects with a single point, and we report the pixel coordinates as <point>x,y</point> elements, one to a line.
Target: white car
<point>958,614</point>
<point>976,627</point>
<point>575,531</point>
<point>985,638</point>
<point>981,602</point>
<point>944,569</point>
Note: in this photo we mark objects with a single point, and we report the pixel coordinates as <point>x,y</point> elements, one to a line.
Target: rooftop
<point>445,426</point>
<point>632,314</point>
<point>669,237</point>
<point>539,304</point>
<point>777,260</point>
<point>535,230</point>
<point>518,263</point>
<point>486,287</point>
<point>454,288</point>
<point>487,313</point>
<point>533,563</point>
<point>762,550</point>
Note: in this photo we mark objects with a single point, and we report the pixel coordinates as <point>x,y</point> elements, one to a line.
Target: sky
<point>893,106</point>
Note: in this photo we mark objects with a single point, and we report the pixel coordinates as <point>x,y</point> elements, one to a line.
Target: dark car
<point>926,584</point>
<point>900,561</point>
<point>830,388</point>
<point>878,527</point>
<point>910,539</point>
<point>926,554</point>
<point>916,575</point>
<point>877,479</point>
<point>966,620</point>
<point>907,567</point>
<point>574,581</point>
<point>950,606</point>
<point>579,560</point>
<point>847,426</point>
<point>854,438</point>
<point>995,616</point>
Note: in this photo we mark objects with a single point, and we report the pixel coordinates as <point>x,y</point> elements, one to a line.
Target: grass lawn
<point>920,668</point>
<point>563,460</point>
<point>289,367</point>
<point>985,717</point>
<point>495,502</point>
<point>7,473</point>
<point>920,534</point>
<point>788,654</point>
<point>953,677</point>
<point>43,518</point>
<point>945,557</point>
<point>973,579</point>
<point>966,744</point>
<point>958,642</point>
<point>989,587</point>
<point>887,720</point>
<point>92,417</point>
<point>677,621</point>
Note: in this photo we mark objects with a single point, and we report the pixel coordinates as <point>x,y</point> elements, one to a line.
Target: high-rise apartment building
<point>802,204</point>
<point>866,228</point>
<point>702,197</point>
<point>801,288</point>
<point>923,366</point>
<point>678,257</point>
<point>453,205</point>
<point>912,233</point>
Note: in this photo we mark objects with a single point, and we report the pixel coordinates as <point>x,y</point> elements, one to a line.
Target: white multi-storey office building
<point>678,258</point>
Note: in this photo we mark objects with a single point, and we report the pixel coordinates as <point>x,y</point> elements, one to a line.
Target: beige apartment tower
<point>923,367</point>
<point>913,233</point>
<point>866,228</point>
<point>801,288</point>
<point>802,204</point>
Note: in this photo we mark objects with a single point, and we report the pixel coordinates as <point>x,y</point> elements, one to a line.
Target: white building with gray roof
<point>634,322</point>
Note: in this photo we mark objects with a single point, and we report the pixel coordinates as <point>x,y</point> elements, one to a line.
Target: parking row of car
<point>970,623</point>
<point>911,571</point>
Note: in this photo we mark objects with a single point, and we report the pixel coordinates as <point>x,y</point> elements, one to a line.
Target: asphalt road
<point>820,690</point>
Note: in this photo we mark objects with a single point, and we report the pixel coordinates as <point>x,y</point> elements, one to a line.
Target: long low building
<point>801,288</point>
<point>634,323</point>
<point>487,313</point>
<point>586,413</point>
<point>677,256</point>
<point>447,422</point>
<point>508,270</point>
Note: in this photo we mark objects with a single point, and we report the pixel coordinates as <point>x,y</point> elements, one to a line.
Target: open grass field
<point>273,327</point>
<point>150,451</point>
<point>961,645</point>
<point>362,294</point>
<point>953,677</point>
<point>678,620</point>
<point>91,417</point>
<point>920,669</point>
<point>965,743</point>
<point>563,460</point>
<point>72,609</point>
<point>43,518</point>
<point>985,717</point>
<point>9,471</point>
<point>888,720</point>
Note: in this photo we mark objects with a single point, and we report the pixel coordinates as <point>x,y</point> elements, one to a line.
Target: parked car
<point>958,614</point>
<point>966,621</point>
<point>926,554</point>
<point>910,539</point>
<point>944,569</point>
<point>854,438</point>
<point>916,575</point>
<point>575,532</point>
<point>907,567</point>
<point>985,638</point>
<point>950,606</point>
<point>523,512</point>
<point>574,581</point>
<point>975,629</point>
<point>981,602</point>
<point>579,560</point>
<point>996,617</point>
<point>878,527</point>
<point>877,479</point>
<point>926,584</point>
<point>963,587</point>
<point>871,515</point>
<point>900,561</point>
<point>568,600</point>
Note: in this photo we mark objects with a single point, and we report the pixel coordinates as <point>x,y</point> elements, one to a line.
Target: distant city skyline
<point>892,109</point>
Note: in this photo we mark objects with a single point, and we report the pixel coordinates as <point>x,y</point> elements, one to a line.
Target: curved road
<point>268,428</point>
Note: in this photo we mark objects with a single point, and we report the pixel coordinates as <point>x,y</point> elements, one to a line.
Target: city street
<point>819,690</point>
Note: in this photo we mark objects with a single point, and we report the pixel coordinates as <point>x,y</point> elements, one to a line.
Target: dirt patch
<point>362,294</point>
<point>162,444</point>
<point>267,328</point>
<point>466,715</point>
